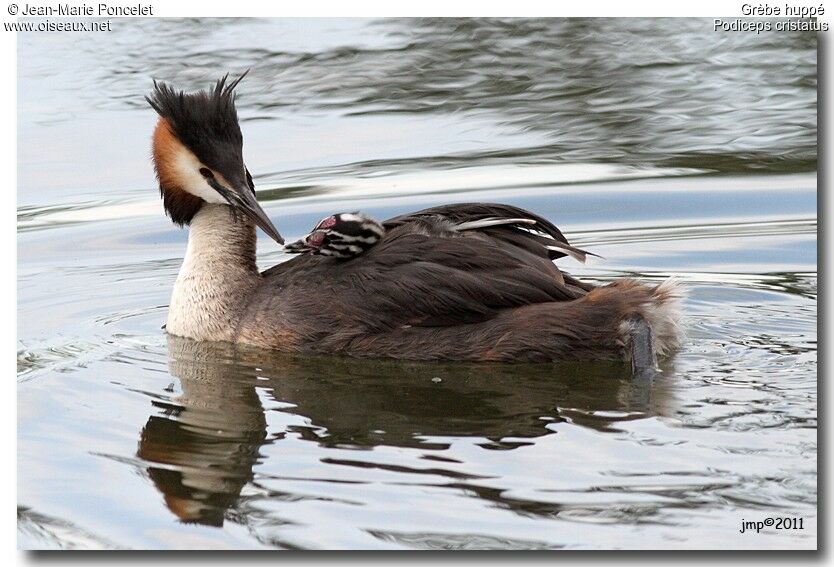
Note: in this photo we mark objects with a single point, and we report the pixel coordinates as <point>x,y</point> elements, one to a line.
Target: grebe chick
<point>344,235</point>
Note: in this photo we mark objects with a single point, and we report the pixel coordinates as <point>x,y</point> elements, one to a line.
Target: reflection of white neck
<point>217,277</point>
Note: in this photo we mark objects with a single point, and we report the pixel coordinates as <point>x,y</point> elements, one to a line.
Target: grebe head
<point>345,235</point>
<point>198,153</point>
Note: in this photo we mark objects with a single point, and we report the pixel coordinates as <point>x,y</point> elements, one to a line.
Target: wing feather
<point>444,266</point>
<point>499,221</point>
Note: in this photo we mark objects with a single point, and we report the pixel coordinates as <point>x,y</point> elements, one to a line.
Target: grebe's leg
<point>643,355</point>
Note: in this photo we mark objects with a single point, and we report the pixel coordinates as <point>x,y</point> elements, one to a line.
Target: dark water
<point>669,149</point>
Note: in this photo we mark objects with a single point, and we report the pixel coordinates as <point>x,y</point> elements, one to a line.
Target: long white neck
<point>217,277</point>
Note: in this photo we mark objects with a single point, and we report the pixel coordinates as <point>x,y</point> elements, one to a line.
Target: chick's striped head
<point>345,235</point>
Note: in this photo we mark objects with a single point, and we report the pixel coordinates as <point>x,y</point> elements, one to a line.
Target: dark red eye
<point>206,172</point>
<point>316,238</point>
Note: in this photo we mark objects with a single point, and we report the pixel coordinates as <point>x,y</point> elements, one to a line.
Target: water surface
<point>665,147</point>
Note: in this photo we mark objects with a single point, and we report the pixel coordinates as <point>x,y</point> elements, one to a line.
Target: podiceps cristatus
<point>471,281</point>
<point>345,235</point>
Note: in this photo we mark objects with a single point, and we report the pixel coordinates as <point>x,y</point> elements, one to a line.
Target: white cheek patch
<point>187,168</point>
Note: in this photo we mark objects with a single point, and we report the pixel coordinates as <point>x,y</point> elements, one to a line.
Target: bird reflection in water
<point>201,447</point>
<point>205,442</point>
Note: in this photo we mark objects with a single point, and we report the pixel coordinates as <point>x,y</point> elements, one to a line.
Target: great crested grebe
<point>467,282</point>
<point>344,235</point>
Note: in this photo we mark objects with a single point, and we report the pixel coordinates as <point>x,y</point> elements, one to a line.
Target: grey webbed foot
<point>643,355</point>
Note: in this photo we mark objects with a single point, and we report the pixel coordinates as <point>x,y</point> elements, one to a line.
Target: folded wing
<point>460,264</point>
<point>513,224</point>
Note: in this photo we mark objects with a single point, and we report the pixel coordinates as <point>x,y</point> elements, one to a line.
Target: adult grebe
<point>472,282</point>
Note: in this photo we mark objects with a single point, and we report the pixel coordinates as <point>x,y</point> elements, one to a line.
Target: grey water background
<point>666,147</point>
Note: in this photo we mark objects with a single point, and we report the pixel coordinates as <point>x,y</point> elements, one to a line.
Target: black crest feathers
<point>205,121</point>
